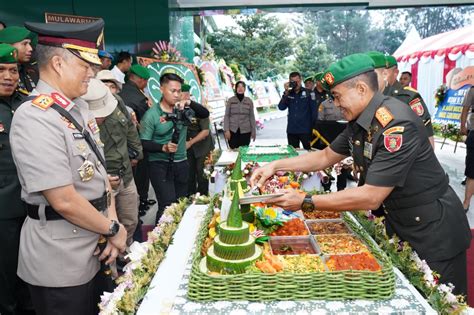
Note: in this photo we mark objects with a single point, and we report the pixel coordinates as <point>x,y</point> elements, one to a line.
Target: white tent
<point>430,59</point>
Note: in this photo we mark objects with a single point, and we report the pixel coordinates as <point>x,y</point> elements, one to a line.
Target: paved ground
<point>274,132</point>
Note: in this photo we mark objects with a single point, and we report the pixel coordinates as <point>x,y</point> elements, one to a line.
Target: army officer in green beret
<point>398,167</point>
<point>22,39</point>
<point>13,211</point>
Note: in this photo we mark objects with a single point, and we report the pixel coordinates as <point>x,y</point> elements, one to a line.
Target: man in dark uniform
<point>407,95</point>
<point>21,39</point>
<point>398,167</point>
<point>13,210</point>
<point>198,145</point>
<point>134,97</point>
<point>302,112</point>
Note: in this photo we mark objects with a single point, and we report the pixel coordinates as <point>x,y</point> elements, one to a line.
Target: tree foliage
<point>344,32</point>
<point>311,54</point>
<point>430,21</point>
<point>260,44</point>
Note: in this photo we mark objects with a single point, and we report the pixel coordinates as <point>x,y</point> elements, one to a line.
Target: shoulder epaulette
<point>42,101</point>
<point>384,116</point>
<point>23,91</point>
<point>409,88</point>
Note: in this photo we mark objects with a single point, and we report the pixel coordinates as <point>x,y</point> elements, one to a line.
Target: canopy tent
<point>430,60</point>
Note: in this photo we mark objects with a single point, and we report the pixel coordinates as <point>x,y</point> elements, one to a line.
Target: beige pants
<point>126,203</point>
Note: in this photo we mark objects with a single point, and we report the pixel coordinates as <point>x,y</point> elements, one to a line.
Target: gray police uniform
<point>414,100</point>
<point>390,147</point>
<point>49,152</point>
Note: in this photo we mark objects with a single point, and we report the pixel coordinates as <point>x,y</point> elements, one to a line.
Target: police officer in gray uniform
<point>398,167</point>
<point>56,148</point>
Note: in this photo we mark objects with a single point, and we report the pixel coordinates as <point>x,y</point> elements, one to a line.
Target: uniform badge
<point>329,78</point>
<point>395,129</point>
<point>393,142</point>
<point>393,138</point>
<point>384,116</point>
<point>368,150</point>
<point>2,127</point>
<point>303,94</point>
<point>42,101</point>
<point>78,135</point>
<point>93,126</point>
<point>81,146</point>
<point>417,107</point>
<point>60,100</point>
<point>86,171</point>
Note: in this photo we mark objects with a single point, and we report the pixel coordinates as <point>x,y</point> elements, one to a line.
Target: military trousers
<point>142,178</point>
<point>13,291</point>
<point>77,300</point>
<point>198,182</point>
<point>126,204</point>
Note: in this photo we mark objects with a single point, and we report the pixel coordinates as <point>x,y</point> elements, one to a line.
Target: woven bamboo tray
<point>329,285</point>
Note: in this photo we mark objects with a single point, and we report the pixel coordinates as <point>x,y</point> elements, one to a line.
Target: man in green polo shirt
<point>163,134</point>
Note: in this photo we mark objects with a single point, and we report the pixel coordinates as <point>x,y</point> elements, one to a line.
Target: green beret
<point>391,61</point>
<point>14,34</point>
<point>379,59</point>
<point>318,76</point>
<point>308,79</point>
<point>185,87</point>
<point>347,68</point>
<point>8,54</point>
<point>140,71</point>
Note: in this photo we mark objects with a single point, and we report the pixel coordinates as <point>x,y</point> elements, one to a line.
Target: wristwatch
<point>113,229</point>
<point>307,204</point>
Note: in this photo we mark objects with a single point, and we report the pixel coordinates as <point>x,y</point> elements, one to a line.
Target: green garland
<point>417,272</point>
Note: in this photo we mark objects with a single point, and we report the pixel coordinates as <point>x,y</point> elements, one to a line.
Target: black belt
<point>423,198</point>
<point>101,204</point>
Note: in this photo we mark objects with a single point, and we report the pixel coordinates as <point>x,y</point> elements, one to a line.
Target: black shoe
<point>151,202</point>
<point>143,206</point>
<point>463,182</point>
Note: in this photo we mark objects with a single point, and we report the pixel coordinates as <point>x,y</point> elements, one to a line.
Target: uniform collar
<point>44,88</point>
<point>365,118</point>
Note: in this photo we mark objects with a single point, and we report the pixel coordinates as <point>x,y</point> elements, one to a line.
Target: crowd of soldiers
<point>72,158</point>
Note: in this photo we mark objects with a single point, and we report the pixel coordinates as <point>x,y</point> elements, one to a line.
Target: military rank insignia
<point>393,138</point>
<point>42,101</point>
<point>60,100</point>
<point>93,126</point>
<point>384,116</point>
<point>417,107</point>
<point>329,78</point>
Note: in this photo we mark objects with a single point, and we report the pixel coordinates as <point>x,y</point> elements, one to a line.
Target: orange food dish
<point>360,261</point>
<point>294,227</point>
<point>340,244</point>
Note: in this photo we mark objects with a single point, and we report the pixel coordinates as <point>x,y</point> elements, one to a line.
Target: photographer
<point>302,111</point>
<point>163,133</point>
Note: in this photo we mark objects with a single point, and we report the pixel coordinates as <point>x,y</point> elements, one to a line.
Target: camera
<point>185,115</point>
<point>292,85</point>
